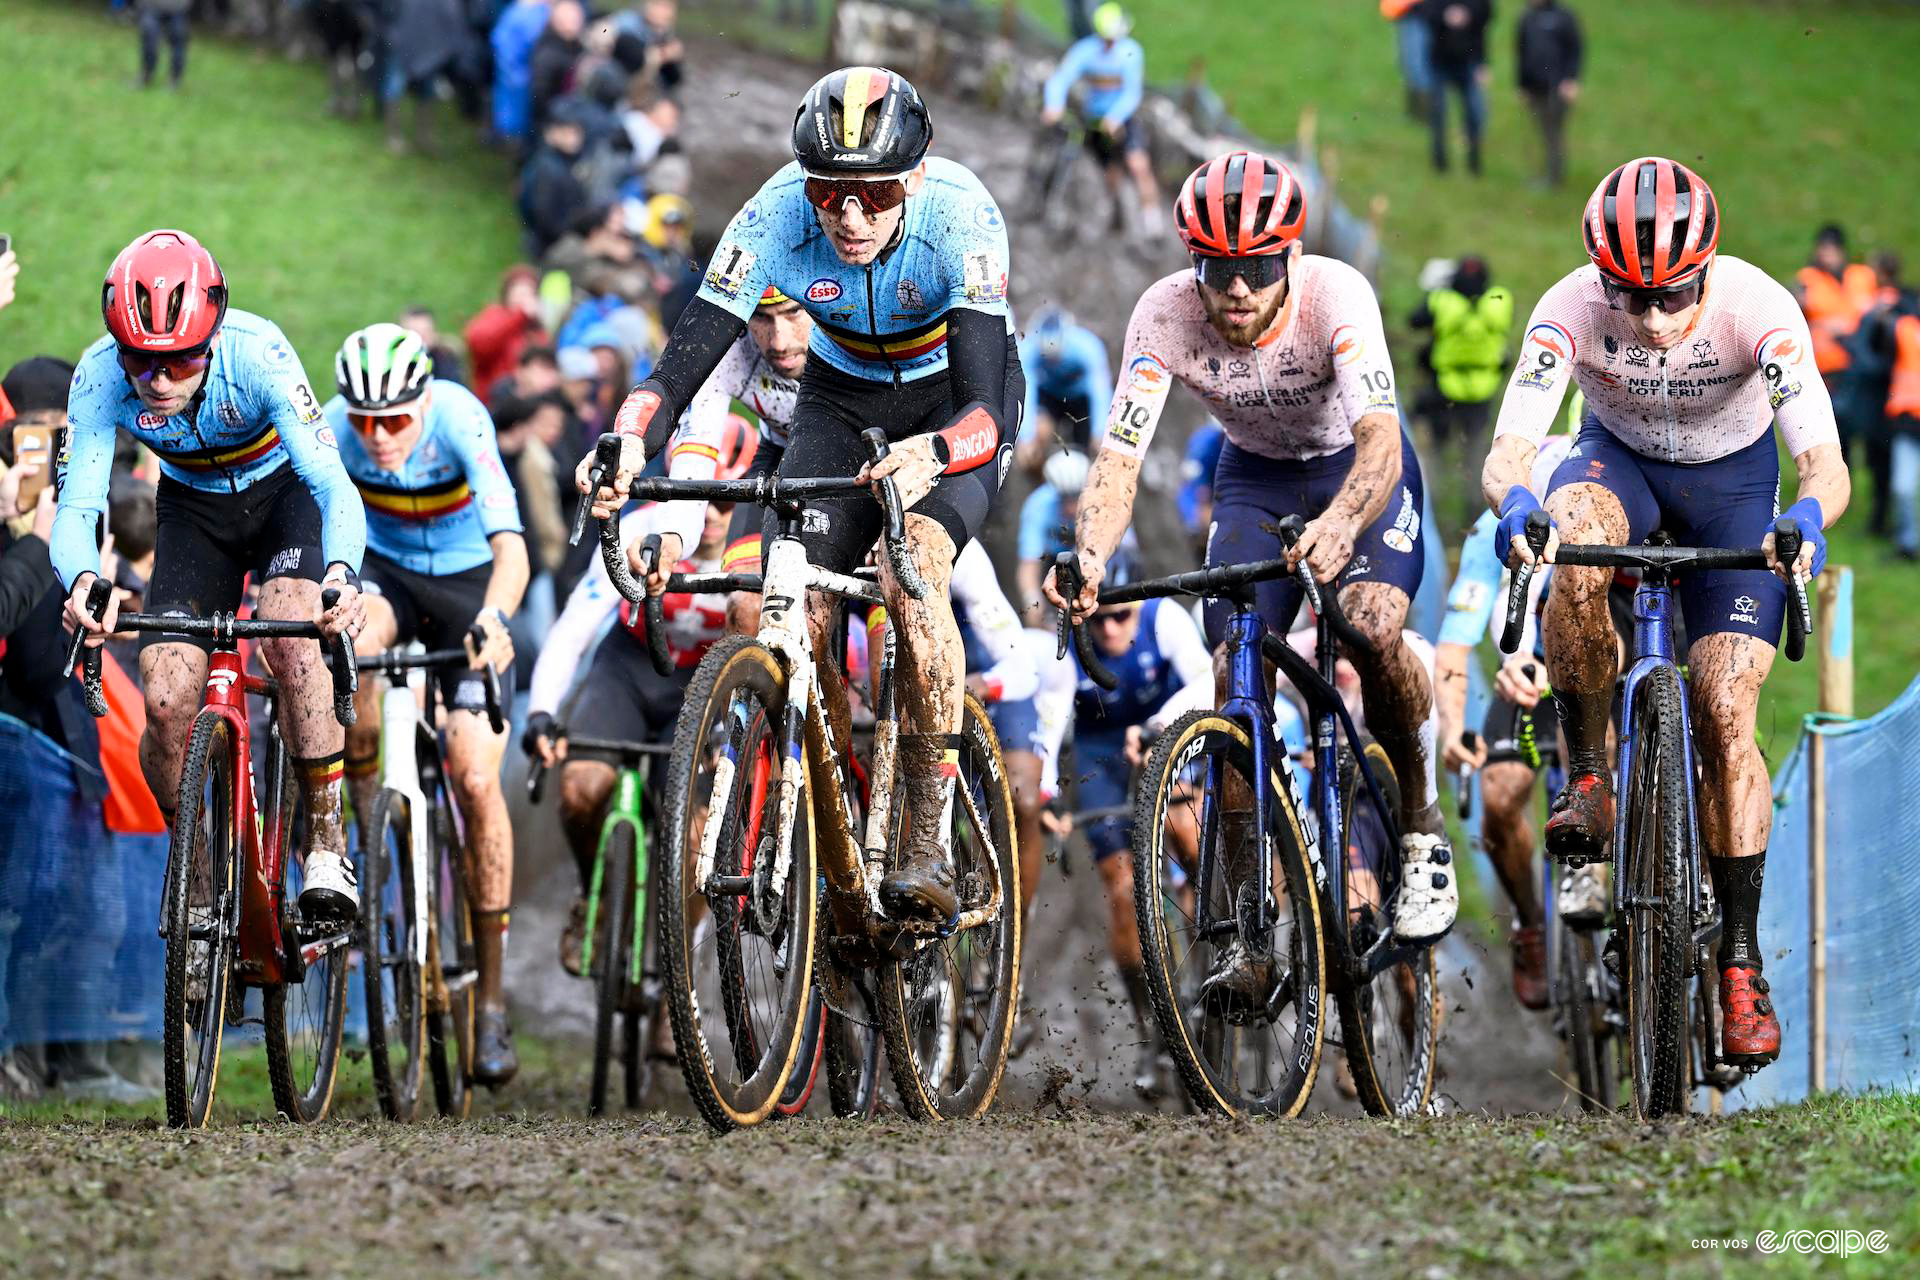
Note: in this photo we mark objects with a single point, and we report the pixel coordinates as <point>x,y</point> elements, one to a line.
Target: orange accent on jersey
<point>742,555</point>
<point>239,456</point>
<point>696,448</point>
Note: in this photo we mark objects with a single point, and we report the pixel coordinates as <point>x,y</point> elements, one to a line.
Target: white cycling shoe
<point>1583,896</point>
<point>332,892</point>
<point>1429,896</point>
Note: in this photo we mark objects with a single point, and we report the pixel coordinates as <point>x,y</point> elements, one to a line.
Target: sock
<point>929,764</point>
<point>320,778</point>
<point>489,951</point>
<point>1585,717</point>
<point>1736,882</point>
<point>363,781</point>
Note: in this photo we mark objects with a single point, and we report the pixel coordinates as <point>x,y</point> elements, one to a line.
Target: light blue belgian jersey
<point>435,514</point>
<point>886,321</point>
<point>256,413</point>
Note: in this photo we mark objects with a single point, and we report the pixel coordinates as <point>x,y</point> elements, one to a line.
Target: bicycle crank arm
<point>312,951</point>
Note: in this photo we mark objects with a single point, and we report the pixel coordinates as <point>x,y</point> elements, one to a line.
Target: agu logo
<point>823,290</point>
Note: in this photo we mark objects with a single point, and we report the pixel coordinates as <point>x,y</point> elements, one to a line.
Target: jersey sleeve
<point>1777,339</point>
<point>592,601</point>
<point>1476,587</point>
<point>1140,392</point>
<point>991,615</point>
<point>980,251</point>
<point>1052,705</point>
<point>85,470</point>
<point>1073,65</point>
<point>738,272</point>
<point>1545,369</point>
<point>694,451</point>
<point>1357,343</point>
<point>470,432</point>
<point>284,396</point>
<point>1180,642</point>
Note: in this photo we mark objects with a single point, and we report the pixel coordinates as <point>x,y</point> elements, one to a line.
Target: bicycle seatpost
<point>1786,549</point>
<point>898,556</point>
<point>98,594</point>
<point>1539,528</point>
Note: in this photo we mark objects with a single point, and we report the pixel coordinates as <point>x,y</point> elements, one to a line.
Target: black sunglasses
<point>1636,301</point>
<point>1258,271</point>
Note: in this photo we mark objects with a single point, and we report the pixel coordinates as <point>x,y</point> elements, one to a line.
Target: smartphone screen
<point>33,444</point>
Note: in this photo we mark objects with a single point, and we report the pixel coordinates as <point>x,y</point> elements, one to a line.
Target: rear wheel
<point>1263,1061</point>
<point>450,956</point>
<point>305,1019</point>
<point>202,916</point>
<point>947,1010</point>
<point>736,945</point>
<point>1657,905</point>
<point>1390,1022</point>
<point>396,1014</point>
<point>618,976</point>
<point>852,1049</point>
<point>1593,1041</point>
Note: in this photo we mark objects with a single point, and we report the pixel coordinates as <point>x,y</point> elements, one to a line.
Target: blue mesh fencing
<point>79,955</point>
<point>1872,776</point>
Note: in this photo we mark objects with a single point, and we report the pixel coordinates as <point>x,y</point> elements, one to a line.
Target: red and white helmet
<point>1651,224</point>
<point>1240,205</point>
<point>739,441</point>
<point>164,293</point>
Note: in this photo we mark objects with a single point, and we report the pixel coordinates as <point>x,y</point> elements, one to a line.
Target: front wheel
<point>1389,1019</point>
<point>390,933</point>
<point>615,1004</point>
<point>736,938</point>
<point>947,1009</point>
<point>451,962</point>
<point>305,1019</point>
<point>202,917</point>
<point>1656,904</point>
<point>1192,832</point>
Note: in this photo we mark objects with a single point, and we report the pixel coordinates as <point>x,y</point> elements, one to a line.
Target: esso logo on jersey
<point>823,290</point>
<point>150,420</point>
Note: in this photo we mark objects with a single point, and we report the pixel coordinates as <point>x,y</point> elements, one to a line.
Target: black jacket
<point>1547,47</point>
<point>1464,46</point>
<point>31,687</point>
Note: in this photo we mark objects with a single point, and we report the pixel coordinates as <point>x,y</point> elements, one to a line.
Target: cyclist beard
<point>1242,335</point>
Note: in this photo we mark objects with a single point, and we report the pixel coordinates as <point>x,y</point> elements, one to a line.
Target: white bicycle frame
<point>400,723</point>
<point>783,630</point>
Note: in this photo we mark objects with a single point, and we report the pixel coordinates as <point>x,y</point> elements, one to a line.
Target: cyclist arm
<point>1180,642</point>
<point>1802,406</point>
<point>85,474</point>
<point>1470,608</point>
<point>1012,677</point>
<point>1535,390</point>
<point>471,436</point>
<point>587,609</point>
<point>1363,380</point>
<point>1097,377</point>
<point>1106,505</point>
<point>1053,705</point>
<point>1073,65</point>
<point>694,452</point>
<point>287,398</point>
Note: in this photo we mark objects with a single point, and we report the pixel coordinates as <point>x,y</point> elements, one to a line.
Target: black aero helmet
<point>861,122</point>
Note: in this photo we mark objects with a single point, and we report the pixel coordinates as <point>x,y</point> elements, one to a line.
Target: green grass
<point>1797,112</point>
<point>316,225</point>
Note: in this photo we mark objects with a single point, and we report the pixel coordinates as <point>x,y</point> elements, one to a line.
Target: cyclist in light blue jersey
<point>1113,67</point>
<point>1069,386</point>
<point>445,554</point>
<point>251,482</point>
<point>902,262</point>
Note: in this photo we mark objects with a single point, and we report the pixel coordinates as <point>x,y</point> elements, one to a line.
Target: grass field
<point>316,225</point>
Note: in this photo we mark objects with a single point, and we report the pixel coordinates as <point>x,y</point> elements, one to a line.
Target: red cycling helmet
<point>164,293</point>
<point>1651,224</point>
<point>1216,218</point>
<point>739,441</point>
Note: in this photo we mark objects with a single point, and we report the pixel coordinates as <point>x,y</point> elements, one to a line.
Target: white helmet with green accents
<point>381,366</point>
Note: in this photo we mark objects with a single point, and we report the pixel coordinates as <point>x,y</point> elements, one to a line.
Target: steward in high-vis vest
<point>1471,323</point>
<point>1834,294</point>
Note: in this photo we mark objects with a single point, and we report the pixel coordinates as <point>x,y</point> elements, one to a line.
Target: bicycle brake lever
<point>98,594</point>
<point>1067,574</point>
<point>1786,550</point>
<point>1539,529</point>
<point>656,612</point>
<point>490,680</point>
<point>346,672</point>
<point>606,464</point>
<point>898,557</point>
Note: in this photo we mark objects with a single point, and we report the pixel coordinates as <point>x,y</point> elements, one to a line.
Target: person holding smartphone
<point>33,408</point>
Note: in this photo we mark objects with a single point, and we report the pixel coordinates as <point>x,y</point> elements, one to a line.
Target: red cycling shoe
<point>1749,1031</point>
<point>1580,827</point>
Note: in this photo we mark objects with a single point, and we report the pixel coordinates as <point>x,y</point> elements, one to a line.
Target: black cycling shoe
<point>494,1061</point>
<point>922,888</point>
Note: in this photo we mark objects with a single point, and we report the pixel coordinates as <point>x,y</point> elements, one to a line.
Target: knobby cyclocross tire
<point>396,1009</point>
<point>1389,1027</point>
<point>1266,1064</point>
<point>1593,1045</point>
<point>305,1020</point>
<point>851,1054</point>
<point>450,951</point>
<point>611,962</point>
<point>947,1010</point>
<point>806,1062</point>
<point>715,947</point>
<point>201,857</point>
<point>1658,922</point>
